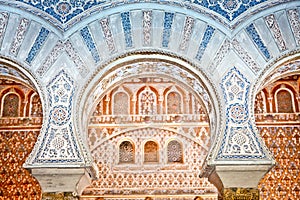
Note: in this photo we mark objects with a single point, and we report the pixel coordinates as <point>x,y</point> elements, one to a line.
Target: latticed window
<point>284,102</point>
<point>151,152</point>
<point>11,106</point>
<point>126,152</point>
<point>147,101</point>
<point>174,151</point>
<point>174,103</point>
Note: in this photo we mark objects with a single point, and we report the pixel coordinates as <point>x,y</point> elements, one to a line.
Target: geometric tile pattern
<point>204,42</point>
<point>39,41</point>
<point>252,32</point>
<point>17,182</point>
<point>89,42</point>
<point>58,144</point>
<point>239,140</point>
<point>127,28</point>
<point>168,20</point>
<point>64,11</point>
<point>283,180</point>
<point>230,9</point>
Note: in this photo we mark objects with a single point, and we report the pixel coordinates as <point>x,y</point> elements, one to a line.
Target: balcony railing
<point>170,118</point>
<point>25,122</point>
<point>278,118</point>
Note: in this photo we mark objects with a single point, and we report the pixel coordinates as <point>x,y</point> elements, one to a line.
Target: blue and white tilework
<point>230,9</point>
<point>252,32</point>
<point>66,10</point>
<point>125,16</point>
<point>39,41</point>
<point>204,42</point>
<point>168,21</point>
<point>239,141</point>
<point>89,42</point>
<point>59,144</point>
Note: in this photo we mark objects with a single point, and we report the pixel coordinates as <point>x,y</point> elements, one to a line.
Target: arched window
<point>147,102</point>
<point>174,103</point>
<point>126,152</point>
<point>120,103</point>
<point>11,106</point>
<point>284,101</point>
<point>174,151</point>
<point>35,106</point>
<point>150,152</point>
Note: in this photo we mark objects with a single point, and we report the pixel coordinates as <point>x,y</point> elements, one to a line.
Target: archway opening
<point>21,119</point>
<point>277,119</point>
<point>149,134</point>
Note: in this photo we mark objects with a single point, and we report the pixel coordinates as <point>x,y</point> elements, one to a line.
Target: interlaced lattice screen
<point>278,121</point>
<point>20,123</point>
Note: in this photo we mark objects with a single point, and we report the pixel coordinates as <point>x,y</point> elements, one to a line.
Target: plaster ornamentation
<point>58,144</point>
<point>245,56</point>
<point>19,37</point>
<point>56,52</point>
<point>276,32</point>
<point>3,23</point>
<point>125,16</point>
<point>38,43</point>
<point>89,42</point>
<point>168,21</point>
<point>293,17</point>
<point>147,27</point>
<point>109,39</point>
<point>239,141</point>
<point>187,32</point>
<point>75,57</point>
<point>255,37</point>
<point>154,67</point>
<point>222,52</point>
<point>178,178</point>
<point>290,67</point>
<point>204,42</point>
